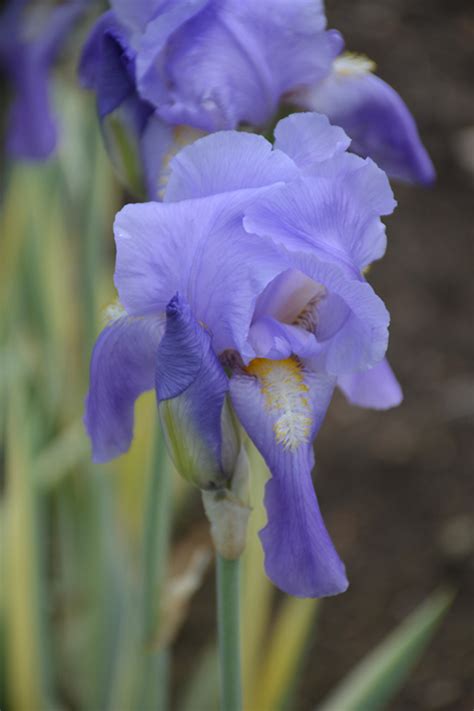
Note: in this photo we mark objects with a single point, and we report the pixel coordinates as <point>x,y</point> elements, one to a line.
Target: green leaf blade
<point>374,681</point>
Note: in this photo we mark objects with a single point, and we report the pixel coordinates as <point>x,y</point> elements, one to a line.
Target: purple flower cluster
<point>245,286</point>
<point>160,69</point>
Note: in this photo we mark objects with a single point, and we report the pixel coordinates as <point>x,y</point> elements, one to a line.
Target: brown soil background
<point>396,488</point>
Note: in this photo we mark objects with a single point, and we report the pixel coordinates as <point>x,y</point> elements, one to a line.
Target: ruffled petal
<point>199,249</point>
<point>191,386</point>
<point>309,138</point>
<point>377,120</point>
<point>338,217</point>
<point>377,388</point>
<point>226,161</point>
<point>122,367</point>
<point>278,400</point>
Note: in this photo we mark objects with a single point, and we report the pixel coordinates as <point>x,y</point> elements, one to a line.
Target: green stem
<point>228,624</point>
<point>100,565</point>
<point>156,534</point>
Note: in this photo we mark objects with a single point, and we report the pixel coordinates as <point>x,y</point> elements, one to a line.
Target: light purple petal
<point>232,61</point>
<point>294,44</point>
<point>338,218</point>
<point>191,386</point>
<point>299,555</point>
<point>198,249</point>
<point>309,138</point>
<point>152,46</point>
<point>377,120</point>
<point>122,367</point>
<point>226,161</point>
<point>377,388</point>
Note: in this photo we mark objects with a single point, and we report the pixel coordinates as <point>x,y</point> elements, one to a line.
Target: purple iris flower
<point>30,40</point>
<point>214,64</point>
<point>373,115</point>
<point>209,65</point>
<point>163,71</point>
<point>245,286</point>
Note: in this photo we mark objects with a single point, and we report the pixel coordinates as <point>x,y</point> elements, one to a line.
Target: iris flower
<point>163,71</point>
<point>244,288</point>
<point>167,72</point>
<point>30,40</point>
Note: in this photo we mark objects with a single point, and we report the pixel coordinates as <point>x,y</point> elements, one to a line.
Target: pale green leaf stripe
<point>381,673</point>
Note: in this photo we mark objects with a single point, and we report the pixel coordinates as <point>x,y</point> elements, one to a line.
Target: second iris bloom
<point>165,72</point>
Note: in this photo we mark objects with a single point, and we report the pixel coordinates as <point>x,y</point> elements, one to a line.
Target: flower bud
<point>193,457</point>
<point>193,454</point>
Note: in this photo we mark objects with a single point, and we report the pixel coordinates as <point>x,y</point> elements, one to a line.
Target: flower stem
<point>228,623</point>
<point>156,535</point>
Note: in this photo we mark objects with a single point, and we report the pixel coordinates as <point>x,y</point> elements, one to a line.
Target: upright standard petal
<point>164,21</point>
<point>309,138</point>
<point>122,368</point>
<point>374,116</point>
<point>226,161</point>
<point>281,407</point>
<point>191,386</point>
<point>199,249</point>
<point>338,218</point>
<point>231,61</point>
<point>377,388</point>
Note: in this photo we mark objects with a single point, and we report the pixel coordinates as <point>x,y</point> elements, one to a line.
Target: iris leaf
<point>376,679</point>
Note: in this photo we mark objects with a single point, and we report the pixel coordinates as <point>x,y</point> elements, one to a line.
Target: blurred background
<point>92,615</point>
